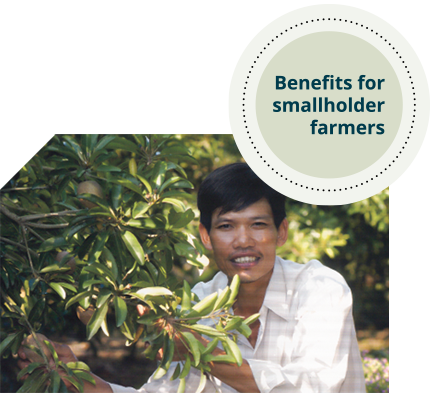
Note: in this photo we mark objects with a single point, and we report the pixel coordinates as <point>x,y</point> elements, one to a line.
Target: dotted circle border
<point>357,24</point>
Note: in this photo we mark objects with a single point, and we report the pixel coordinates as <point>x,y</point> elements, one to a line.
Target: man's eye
<point>224,226</point>
<point>259,224</point>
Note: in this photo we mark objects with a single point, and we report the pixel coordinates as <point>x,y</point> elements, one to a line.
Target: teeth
<point>245,260</point>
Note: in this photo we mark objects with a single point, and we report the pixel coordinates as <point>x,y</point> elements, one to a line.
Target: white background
<point>143,67</point>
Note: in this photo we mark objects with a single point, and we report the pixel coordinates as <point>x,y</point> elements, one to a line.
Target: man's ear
<point>283,232</point>
<point>205,238</point>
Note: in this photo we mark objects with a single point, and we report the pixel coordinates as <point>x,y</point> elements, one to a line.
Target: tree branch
<point>24,188</point>
<point>28,251</point>
<point>21,220</point>
<point>3,239</point>
<point>48,215</point>
<point>45,226</point>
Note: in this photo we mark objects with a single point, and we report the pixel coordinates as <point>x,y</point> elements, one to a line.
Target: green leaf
<point>202,383</point>
<point>140,209</point>
<point>223,297</point>
<point>210,347</point>
<point>74,229</point>
<point>193,346</point>
<point>133,246</point>
<point>174,202</point>
<point>58,288</point>
<point>108,259</point>
<point>73,381</point>
<point>122,144</point>
<point>89,142</point>
<point>176,372</point>
<point>55,382</point>
<point>104,141</point>
<point>128,184</point>
<point>168,352</point>
<point>104,295</point>
<point>186,368</point>
<point>151,291</point>
<point>96,321</point>
<point>68,286</point>
<point>29,369</point>
<point>116,195</point>
<point>182,385</point>
<point>7,342</point>
<point>85,376</point>
<point>169,182</point>
<point>206,305</point>
<point>77,298</point>
<point>207,330</point>
<point>232,349</point>
<point>78,366</point>
<point>95,199</point>
<point>74,146</point>
<point>234,288</point>
<point>186,297</point>
<point>145,183</point>
<point>159,172</point>
<point>120,310</point>
<point>53,268</point>
<point>244,329</point>
<point>98,245</point>
<point>52,243</point>
<point>233,323</point>
<point>251,319</point>
<point>220,358</point>
<point>107,168</point>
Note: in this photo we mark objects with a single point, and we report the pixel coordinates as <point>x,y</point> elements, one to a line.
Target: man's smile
<point>246,259</point>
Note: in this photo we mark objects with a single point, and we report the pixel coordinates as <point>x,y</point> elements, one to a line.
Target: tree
<point>98,222</point>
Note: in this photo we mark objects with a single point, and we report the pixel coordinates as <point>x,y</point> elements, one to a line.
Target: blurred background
<point>352,239</point>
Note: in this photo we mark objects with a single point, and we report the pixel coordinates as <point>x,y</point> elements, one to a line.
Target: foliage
<point>376,371</point>
<point>115,253</point>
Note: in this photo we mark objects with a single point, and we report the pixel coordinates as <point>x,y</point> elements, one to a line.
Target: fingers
<point>21,352</point>
<point>142,310</point>
<point>23,363</point>
<point>65,352</point>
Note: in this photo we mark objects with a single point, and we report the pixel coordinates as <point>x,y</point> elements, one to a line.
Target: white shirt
<point>306,341</point>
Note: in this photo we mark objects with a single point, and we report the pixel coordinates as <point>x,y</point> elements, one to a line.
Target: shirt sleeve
<point>324,347</point>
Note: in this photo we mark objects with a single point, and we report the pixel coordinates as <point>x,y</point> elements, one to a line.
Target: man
<point>304,340</point>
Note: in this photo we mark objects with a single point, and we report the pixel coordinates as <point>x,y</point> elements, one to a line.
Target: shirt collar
<point>276,293</point>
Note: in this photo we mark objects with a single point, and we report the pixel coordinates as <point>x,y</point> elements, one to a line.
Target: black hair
<point>234,187</point>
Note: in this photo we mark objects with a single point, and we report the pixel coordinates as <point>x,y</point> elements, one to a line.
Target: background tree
<point>98,223</point>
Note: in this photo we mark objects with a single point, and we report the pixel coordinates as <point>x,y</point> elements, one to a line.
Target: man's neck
<point>251,296</point>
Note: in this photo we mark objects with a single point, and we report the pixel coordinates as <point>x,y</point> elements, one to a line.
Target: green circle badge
<point>329,104</point>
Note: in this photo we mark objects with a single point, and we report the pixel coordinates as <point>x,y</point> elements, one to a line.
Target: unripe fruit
<point>32,355</point>
<point>132,167</point>
<point>89,187</point>
<point>71,262</point>
<point>85,315</point>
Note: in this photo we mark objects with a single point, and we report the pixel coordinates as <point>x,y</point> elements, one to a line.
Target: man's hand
<point>181,351</point>
<point>64,353</point>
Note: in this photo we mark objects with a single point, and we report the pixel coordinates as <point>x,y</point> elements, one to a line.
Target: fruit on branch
<point>89,187</point>
<point>71,262</point>
<point>85,315</point>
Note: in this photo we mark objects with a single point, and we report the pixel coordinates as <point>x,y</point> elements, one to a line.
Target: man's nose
<point>243,238</point>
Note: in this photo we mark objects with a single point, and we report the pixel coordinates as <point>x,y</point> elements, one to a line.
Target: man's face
<point>245,242</point>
